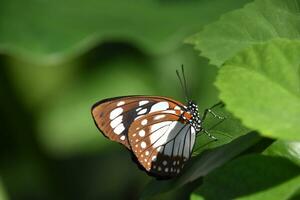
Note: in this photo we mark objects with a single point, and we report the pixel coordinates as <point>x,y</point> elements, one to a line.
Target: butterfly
<point>160,132</point>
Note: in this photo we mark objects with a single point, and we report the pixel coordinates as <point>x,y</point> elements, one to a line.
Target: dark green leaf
<point>225,130</point>
<point>252,177</point>
<point>203,164</point>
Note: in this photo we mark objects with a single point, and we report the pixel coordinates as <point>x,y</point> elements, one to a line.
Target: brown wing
<point>162,141</point>
<point>114,116</point>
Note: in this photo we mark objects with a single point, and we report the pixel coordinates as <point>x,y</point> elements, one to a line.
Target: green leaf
<point>203,164</point>
<point>257,22</point>
<point>51,31</point>
<point>252,177</point>
<point>289,150</point>
<point>225,130</point>
<point>261,86</point>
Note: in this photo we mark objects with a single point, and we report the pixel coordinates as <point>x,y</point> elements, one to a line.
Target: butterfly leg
<point>214,114</point>
<point>209,135</point>
<point>209,110</point>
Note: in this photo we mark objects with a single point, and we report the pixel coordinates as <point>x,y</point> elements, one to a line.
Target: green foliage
<point>210,157</point>
<point>257,50</point>
<point>268,97</point>
<point>203,165</point>
<point>289,150</point>
<point>60,57</point>
<point>242,179</point>
<point>62,120</point>
<point>257,22</point>
<point>50,33</point>
<point>226,130</point>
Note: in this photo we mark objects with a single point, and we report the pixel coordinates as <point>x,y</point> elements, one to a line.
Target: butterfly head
<point>195,120</point>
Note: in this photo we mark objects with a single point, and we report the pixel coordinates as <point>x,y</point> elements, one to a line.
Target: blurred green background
<point>57,58</point>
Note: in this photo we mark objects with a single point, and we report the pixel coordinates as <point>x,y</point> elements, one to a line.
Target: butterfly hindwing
<point>162,141</point>
<point>114,116</point>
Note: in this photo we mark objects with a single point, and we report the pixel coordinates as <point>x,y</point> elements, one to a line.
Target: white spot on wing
<point>159,106</point>
<point>116,121</point>
<point>143,144</point>
<point>159,117</point>
<point>144,122</point>
<point>159,149</point>
<point>143,102</point>
<point>153,158</point>
<point>170,111</point>
<point>121,103</point>
<point>142,111</point>
<point>115,113</point>
<point>142,133</point>
<point>177,108</point>
<point>122,137</point>
<point>119,129</point>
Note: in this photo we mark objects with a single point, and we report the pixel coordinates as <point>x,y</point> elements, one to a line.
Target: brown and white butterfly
<point>159,131</point>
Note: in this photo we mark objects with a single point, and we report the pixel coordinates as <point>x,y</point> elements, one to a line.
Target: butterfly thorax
<point>195,120</point>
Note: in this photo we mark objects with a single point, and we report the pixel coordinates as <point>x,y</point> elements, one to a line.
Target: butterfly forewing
<point>109,116</point>
<point>114,116</point>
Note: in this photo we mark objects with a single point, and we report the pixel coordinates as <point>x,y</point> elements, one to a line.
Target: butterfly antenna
<point>181,83</point>
<point>185,85</point>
